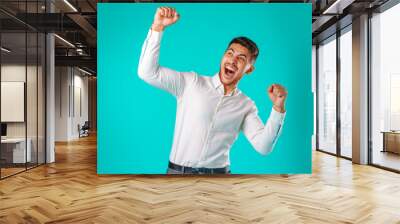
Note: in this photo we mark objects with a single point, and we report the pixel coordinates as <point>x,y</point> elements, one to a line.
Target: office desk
<point>13,150</point>
<point>391,141</point>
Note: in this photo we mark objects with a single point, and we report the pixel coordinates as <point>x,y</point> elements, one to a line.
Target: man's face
<point>236,61</point>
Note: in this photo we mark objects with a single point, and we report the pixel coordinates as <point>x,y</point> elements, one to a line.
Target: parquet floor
<point>70,191</point>
<point>10,171</point>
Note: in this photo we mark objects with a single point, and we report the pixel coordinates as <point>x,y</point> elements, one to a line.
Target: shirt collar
<point>219,86</point>
<point>216,81</point>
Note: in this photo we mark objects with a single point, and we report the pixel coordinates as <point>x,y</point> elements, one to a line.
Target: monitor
<point>3,129</point>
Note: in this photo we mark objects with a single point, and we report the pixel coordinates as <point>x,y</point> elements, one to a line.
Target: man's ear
<point>249,69</point>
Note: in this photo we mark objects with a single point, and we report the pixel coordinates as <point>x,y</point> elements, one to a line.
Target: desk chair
<point>84,130</point>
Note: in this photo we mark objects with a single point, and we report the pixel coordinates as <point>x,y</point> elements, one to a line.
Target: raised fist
<point>165,16</point>
<point>277,94</point>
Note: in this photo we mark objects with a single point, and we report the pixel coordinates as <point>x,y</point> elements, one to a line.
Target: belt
<point>185,169</point>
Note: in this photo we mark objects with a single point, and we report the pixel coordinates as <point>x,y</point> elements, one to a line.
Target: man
<point>211,111</point>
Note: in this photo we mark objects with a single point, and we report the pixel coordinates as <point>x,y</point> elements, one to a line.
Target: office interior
<point>49,74</point>
<point>376,87</point>
<point>47,80</point>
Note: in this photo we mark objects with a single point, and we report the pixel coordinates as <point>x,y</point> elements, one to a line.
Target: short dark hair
<point>247,43</point>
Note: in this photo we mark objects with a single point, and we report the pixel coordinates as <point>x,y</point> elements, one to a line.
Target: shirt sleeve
<point>151,72</point>
<point>263,137</point>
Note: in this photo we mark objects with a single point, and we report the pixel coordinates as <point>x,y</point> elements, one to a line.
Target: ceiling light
<point>65,41</point>
<point>84,71</point>
<point>338,6</point>
<point>5,50</point>
<point>70,5</point>
<point>329,9</point>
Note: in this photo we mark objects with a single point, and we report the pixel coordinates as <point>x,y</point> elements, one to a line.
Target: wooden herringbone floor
<point>70,191</point>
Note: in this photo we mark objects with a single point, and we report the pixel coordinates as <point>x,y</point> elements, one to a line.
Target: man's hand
<point>277,94</point>
<point>165,16</point>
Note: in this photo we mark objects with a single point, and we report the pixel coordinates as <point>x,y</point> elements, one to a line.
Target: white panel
<point>12,101</point>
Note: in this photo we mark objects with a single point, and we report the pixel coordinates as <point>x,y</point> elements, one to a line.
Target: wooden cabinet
<point>391,141</point>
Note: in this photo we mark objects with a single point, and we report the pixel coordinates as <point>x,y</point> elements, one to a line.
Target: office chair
<point>84,130</point>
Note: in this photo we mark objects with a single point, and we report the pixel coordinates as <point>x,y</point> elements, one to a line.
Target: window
<point>346,92</point>
<point>385,88</point>
<point>327,96</point>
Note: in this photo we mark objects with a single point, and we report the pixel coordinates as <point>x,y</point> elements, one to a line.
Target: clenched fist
<point>277,94</point>
<point>165,16</point>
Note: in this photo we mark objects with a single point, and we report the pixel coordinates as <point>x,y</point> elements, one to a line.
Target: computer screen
<point>3,129</point>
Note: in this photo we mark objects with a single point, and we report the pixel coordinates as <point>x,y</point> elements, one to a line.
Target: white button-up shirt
<point>207,121</point>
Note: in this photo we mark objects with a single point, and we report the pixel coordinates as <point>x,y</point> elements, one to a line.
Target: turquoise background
<point>136,121</point>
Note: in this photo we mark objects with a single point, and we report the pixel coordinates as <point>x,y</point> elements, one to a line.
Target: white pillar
<point>360,90</point>
<point>50,93</point>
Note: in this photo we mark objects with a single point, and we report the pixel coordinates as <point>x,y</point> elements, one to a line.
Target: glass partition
<point>14,150</point>
<point>22,77</point>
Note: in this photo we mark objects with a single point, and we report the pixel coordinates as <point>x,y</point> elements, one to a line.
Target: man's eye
<point>242,59</point>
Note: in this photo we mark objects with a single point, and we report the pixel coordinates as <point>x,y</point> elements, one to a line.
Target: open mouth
<point>230,71</point>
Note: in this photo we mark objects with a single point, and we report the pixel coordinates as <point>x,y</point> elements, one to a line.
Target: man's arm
<point>149,69</point>
<point>263,137</point>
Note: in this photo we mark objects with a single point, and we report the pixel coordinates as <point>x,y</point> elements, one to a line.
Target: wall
<point>62,81</point>
<point>14,73</point>
<point>80,109</point>
<point>71,102</point>
<point>92,87</point>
